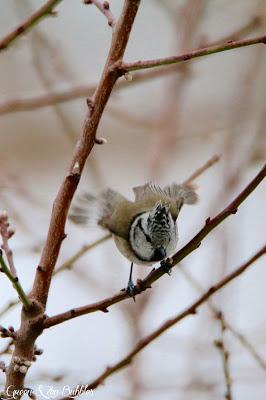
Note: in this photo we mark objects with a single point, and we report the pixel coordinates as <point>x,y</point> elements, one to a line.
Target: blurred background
<point>161,126</point>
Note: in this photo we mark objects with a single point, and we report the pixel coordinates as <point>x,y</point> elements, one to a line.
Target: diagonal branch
<point>191,310</point>
<point>83,148</point>
<point>247,345</point>
<point>45,10</point>
<point>138,65</point>
<point>154,275</point>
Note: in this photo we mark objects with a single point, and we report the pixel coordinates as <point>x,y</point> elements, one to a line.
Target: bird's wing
<point>184,193</point>
<point>145,191</point>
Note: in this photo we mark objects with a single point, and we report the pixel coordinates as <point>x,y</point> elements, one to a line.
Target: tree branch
<point>191,310</point>
<point>154,275</point>
<point>139,65</point>
<point>45,10</point>
<point>96,106</point>
<point>32,322</point>
<point>105,10</point>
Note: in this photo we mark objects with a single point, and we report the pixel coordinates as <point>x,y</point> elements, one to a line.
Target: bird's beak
<point>159,254</point>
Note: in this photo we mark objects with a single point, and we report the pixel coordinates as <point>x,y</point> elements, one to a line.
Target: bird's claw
<point>131,289</point>
<point>167,265</point>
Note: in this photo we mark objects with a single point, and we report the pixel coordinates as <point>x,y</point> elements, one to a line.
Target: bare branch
<point>139,65</point>
<point>62,202</point>
<point>105,10</point>
<point>45,10</point>
<point>154,275</point>
<point>191,310</point>
<point>10,270</point>
<point>80,91</point>
<point>32,322</point>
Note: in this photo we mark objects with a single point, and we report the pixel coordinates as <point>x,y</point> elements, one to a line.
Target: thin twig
<point>202,169</point>
<point>244,30</point>
<point>220,345</point>
<point>6,233</point>
<point>154,275</point>
<point>10,270</point>
<point>80,91</point>
<point>69,262</point>
<point>191,310</point>
<point>105,10</point>
<point>139,65</point>
<point>45,10</point>
<point>15,282</point>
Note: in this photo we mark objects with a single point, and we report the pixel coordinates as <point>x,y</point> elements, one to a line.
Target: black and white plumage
<point>144,230</point>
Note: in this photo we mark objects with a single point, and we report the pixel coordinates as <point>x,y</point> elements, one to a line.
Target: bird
<point>144,229</point>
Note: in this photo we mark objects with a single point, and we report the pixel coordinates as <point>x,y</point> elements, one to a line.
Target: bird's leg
<point>131,290</point>
<point>167,265</point>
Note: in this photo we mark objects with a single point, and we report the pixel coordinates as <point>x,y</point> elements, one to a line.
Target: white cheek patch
<point>141,247</point>
<point>171,247</point>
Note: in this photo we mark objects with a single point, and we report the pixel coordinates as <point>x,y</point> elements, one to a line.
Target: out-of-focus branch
<point>45,10</point>
<point>154,275</point>
<point>69,263</point>
<point>76,92</point>
<point>244,30</point>
<point>220,345</point>
<point>202,169</point>
<point>81,91</point>
<point>234,44</point>
<point>239,336</point>
<point>187,21</point>
<point>191,310</point>
<point>10,270</point>
<point>104,7</point>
